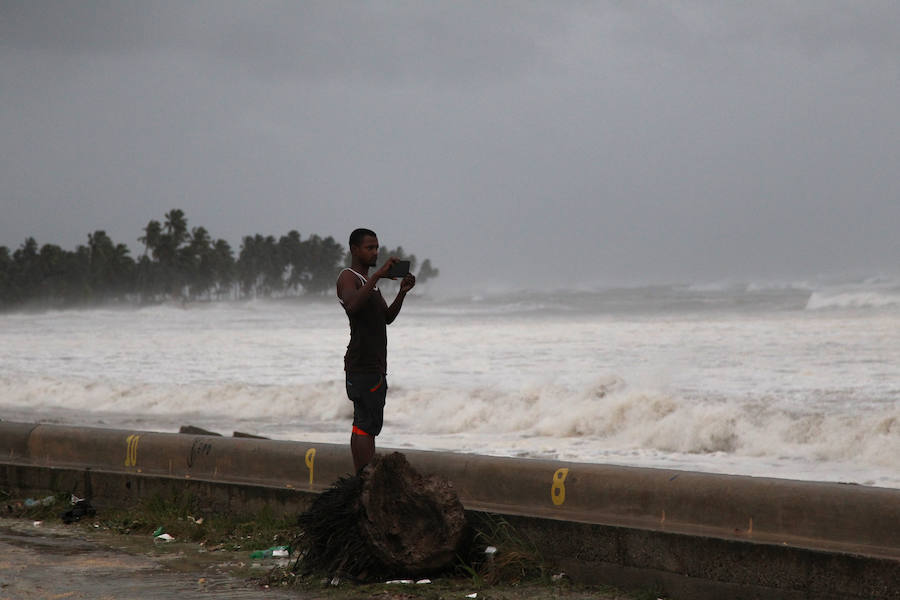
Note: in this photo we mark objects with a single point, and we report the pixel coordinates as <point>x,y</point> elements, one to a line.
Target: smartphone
<point>399,269</point>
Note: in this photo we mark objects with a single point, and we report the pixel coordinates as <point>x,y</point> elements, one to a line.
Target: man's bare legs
<point>363,449</point>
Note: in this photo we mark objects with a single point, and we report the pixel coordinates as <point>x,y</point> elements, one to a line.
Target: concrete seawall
<point>694,534</point>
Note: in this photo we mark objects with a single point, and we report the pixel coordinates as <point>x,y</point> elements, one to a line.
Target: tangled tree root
<point>388,520</point>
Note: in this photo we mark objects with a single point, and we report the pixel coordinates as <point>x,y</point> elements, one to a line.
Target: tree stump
<point>388,520</point>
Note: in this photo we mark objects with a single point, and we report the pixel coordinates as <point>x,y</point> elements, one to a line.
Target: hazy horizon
<point>519,146</point>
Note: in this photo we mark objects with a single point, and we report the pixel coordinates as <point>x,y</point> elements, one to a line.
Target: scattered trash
<point>336,581</point>
<point>75,499</point>
<point>472,595</point>
<point>47,501</point>
<point>273,552</point>
<point>392,581</point>
<point>38,523</point>
<point>195,521</point>
<point>422,581</point>
<point>160,535</point>
<point>82,508</point>
<point>490,550</point>
<point>558,577</point>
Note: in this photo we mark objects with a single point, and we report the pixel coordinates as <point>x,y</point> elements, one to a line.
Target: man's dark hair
<point>357,236</point>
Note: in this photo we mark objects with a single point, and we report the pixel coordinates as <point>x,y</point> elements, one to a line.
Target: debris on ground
<point>81,509</point>
<point>387,520</point>
<point>47,501</point>
<point>273,552</point>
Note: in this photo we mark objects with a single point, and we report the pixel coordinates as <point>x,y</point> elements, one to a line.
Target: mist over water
<point>793,380</point>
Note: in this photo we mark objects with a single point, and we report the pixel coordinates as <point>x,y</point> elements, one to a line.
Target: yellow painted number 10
<point>558,489</point>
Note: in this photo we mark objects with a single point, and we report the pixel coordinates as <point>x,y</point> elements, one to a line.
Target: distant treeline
<point>177,263</point>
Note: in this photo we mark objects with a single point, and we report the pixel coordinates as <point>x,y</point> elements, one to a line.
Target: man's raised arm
<point>393,310</point>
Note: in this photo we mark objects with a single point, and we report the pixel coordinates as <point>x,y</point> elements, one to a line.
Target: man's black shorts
<point>367,391</point>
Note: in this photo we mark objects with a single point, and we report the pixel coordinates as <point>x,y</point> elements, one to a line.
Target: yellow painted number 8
<point>558,490</point>
<point>310,460</point>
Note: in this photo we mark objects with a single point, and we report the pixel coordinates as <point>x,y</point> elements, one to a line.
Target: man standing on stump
<point>365,362</point>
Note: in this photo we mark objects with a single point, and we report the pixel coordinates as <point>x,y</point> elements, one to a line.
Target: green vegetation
<point>178,263</point>
<point>516,558</point>
<point>181,516</point>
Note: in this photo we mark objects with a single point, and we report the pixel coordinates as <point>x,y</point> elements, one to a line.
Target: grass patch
<point>500,553</point>
<point>181,516</point>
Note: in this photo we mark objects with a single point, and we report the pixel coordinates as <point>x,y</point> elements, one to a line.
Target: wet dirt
<point>57,562</point>
<point>53,561</point>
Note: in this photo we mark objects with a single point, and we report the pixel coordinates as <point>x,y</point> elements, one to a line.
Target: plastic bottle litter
<point>392,581</point>
<point>160,535</point>
<point>46,501</point>
<point>273,552</point>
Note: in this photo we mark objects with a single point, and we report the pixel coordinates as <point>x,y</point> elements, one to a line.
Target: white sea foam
<point>853,299</point>
<point>610,416</point>
<point>769,390</point>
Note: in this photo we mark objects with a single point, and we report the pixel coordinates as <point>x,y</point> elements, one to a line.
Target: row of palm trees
<point>177,263</point>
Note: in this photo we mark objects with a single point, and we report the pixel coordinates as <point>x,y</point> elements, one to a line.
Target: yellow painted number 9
<point>310,461</point>
<point>558,489</point>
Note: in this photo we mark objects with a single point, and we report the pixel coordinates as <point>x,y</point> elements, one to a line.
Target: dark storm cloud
<point>668,140</point>
<point>321,40</point>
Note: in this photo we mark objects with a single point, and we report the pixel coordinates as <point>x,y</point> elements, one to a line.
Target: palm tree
<point>176,226</point>
<point>324,256</point>
<point>293,255</point>
<point>27,274</point>
<point>151,237</point>
<point>426,271</point>
<point>5,276</point>
<point>223,266</point>
<point>248,264</point>
<point>197,257</point>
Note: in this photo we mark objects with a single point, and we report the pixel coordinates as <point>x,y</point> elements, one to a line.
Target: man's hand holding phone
<point>393,268</point>
<point>399,268</point>
<point>408,283</point>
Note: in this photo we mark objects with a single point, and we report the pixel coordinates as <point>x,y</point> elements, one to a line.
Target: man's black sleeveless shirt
<point>367,350</point>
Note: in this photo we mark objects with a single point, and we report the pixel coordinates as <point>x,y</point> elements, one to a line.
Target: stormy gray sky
<point>515,143</point>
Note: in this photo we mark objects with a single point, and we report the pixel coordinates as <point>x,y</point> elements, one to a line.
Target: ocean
<point>798,380</point>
